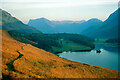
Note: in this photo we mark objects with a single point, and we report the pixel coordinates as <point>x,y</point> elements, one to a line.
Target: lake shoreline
<point>88,50</point>
<point>93,58</point>
<point>73,51</point>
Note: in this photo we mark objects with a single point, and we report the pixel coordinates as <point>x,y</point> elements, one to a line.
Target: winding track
<point>10,65</point>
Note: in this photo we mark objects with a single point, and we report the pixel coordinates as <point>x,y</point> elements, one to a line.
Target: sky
<point>75,10</point>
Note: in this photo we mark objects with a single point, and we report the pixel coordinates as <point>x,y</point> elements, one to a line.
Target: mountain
<point>37,39</point>
<point>11,23</point>
<point>76,27</point>
<point>109,28</point>
<point>94,27</point>
<point>88,24</point>
<point>67,26</point>
<point>20,60</point>
<point>42,24</point>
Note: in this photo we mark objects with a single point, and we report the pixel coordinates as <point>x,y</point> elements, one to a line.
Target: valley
<point>29,50</point>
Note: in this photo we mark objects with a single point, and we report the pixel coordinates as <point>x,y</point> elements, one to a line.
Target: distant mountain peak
<point>94,19</point>
<point>42,18</point>
<point>108,29</point>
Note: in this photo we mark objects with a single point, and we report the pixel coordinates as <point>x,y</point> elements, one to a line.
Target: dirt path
<point>10,65</point>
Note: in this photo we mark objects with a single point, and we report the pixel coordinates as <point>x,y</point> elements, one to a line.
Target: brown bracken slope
<point>37,63</point>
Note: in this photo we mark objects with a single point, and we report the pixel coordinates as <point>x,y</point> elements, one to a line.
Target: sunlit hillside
<point>21,60</point>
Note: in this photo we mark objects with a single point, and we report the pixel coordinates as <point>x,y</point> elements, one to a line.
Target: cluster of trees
<point>43,41</point>
<point>47,41</point>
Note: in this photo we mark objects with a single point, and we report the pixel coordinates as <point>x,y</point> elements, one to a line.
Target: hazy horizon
<point>59,10</point>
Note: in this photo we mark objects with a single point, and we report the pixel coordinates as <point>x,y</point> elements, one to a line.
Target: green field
<point>70,46</point>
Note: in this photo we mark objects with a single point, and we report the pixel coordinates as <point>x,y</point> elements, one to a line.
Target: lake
<point>108,57</point>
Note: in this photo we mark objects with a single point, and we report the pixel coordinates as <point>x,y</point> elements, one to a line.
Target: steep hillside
<point>21,60</point>
<point>109,28</point>
<point>11,23</point>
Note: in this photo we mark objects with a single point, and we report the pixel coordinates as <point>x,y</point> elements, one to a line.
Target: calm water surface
<point>107,58</point>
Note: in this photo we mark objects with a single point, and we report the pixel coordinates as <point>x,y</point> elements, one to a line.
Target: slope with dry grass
<point>37,63</point>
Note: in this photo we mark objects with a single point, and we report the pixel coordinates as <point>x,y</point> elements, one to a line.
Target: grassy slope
<point>37,63</point>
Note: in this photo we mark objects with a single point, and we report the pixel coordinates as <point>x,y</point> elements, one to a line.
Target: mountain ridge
<point>109,28</point>
<point>9,23</point>
<point>94,27</point>
<point>67,26</point>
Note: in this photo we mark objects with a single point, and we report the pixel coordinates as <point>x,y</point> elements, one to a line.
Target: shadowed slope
<point>109,28</point>
<point>37,63</point>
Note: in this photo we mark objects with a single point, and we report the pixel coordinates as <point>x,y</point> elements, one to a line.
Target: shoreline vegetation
<point>71,47</point>
<point>73,51</point>
<point>101,41</point>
